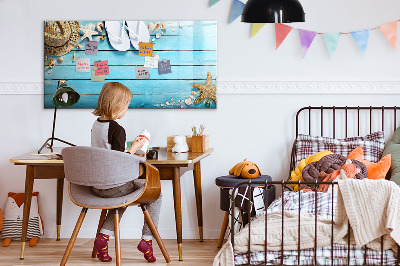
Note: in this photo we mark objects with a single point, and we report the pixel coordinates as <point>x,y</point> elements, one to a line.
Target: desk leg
<point>197,189</point>
<point>60,190</point>
<point>27,206</point>
<point>176,182</point>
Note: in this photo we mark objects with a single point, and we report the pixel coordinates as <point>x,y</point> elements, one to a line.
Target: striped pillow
<point>372,145</point>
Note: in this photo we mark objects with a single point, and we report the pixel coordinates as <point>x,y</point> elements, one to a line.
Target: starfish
<point>206,91</point>
<point>88,32</point>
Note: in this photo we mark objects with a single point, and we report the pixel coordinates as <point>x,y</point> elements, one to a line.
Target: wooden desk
<point>168,164</point>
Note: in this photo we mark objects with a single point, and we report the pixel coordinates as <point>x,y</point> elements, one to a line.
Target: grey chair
<point>85,167</point>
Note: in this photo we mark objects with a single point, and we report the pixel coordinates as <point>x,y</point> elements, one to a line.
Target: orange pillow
<point>375,170</point>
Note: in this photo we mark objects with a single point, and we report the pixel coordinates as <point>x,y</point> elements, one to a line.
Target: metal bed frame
<point>283,184</point>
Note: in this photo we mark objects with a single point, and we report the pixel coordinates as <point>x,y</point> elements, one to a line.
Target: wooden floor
<point>50,252</point>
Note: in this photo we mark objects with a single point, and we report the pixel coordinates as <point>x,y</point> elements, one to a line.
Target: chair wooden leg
<point>154,230</point>
<point>117,239</point>
<point>73,237</point>
<point>101,222</point>
<point>223,229</point>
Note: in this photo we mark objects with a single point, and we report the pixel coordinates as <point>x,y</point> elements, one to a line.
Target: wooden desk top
<point>168,157</point>
<point>164,157</point>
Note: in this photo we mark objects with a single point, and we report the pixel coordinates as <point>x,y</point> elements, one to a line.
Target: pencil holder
<point>200,143</point>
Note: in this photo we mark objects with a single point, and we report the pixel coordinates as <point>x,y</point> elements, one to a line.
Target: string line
<point>342,32</point>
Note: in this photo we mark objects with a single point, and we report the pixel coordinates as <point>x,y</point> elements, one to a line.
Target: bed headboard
<point>344,118</point>
<point>344,121</point>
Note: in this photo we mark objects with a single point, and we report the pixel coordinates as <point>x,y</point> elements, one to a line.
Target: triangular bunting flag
<point>389,30</point>
<point>332,41</point>
<point>281,31</point>
<point>361,37</point>
<point>306,39</point>
<point>237,9</point>
<point>255,28</point>
<point>213,2</point>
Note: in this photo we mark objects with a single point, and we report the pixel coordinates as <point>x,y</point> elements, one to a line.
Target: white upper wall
<point>239,57</point>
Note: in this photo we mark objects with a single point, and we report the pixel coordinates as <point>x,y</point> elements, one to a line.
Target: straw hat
<point>60,37</point>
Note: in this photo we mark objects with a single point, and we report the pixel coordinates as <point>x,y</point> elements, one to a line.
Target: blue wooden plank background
<point>191,47</point>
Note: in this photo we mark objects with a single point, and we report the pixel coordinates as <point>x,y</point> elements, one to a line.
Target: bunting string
<point>343,33</point>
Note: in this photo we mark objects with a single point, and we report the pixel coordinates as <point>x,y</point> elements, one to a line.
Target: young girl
<point>113,103</point>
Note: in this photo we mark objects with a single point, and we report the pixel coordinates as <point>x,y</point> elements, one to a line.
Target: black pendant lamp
<point>273,11</point>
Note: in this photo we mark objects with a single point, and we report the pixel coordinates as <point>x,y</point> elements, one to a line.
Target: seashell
<point>52,63</point>
<point>158,35</point>
<point>163,26</point>
<point>180,25</point>
<point>103,37</point>
<point>151,26</point>
<point>193,93</point>
<point>60,60</point>
<point>172,99</point>
<point>73,58</point>
<point>167,103</point>
<point>153,40</point>
<point>100,26</point>
<point>79,46</point>
<point>188,101</point>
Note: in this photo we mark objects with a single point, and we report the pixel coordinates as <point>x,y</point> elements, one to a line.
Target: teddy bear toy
<point>13,215</point>
<point>245,169</point>
<point>180,144</point>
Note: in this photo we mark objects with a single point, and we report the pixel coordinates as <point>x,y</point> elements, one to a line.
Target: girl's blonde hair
<point>113,97</point>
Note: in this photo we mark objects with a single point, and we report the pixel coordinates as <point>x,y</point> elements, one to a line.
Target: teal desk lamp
<point>63,97</point>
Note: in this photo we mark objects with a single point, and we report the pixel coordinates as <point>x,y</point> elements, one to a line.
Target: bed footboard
<point>309,256</point>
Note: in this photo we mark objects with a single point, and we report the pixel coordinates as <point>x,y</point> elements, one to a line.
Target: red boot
<point>101,245</point>
<point>146,247</point>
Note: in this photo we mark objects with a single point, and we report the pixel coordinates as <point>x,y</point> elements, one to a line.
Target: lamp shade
<point>273,11</point>
<point>65,96</point>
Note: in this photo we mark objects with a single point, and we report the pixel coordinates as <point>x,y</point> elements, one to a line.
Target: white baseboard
<point>259,87</point>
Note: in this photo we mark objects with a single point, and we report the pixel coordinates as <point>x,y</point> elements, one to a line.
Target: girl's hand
<point>143,155</point>
<point>137,144</point>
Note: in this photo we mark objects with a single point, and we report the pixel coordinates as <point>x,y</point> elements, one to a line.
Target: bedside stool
<point>228,182</point>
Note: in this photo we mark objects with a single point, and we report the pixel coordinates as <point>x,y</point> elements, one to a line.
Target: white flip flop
<point>117,35</point>
<point>138,32</point>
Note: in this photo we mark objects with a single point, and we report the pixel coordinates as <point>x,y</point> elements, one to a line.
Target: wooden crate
<point>171,143</point>
<point>200,143</point>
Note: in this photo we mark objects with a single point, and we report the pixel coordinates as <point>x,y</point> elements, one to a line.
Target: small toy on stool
<point>245,169</point>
